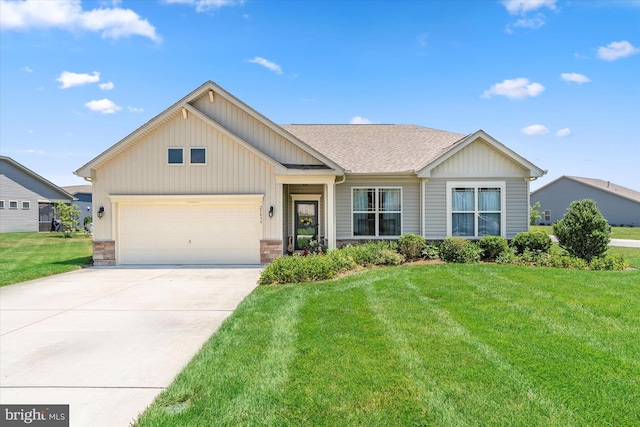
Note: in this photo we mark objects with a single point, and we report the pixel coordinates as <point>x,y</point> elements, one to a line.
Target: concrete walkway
<point>106,341</point>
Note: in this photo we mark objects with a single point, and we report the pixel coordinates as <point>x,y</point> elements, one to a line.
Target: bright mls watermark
<point>34,415</point>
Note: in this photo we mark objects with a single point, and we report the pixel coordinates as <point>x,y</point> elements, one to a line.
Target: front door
<point>306,223</point>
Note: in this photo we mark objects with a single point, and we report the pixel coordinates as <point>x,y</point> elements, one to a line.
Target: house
<point>82,196</point>
<point>26,198</point>
<point>211,180</point>
<point>618,204</point>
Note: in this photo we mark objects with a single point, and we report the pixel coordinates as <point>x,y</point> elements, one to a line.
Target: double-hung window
<point>475,209</point>
<point>26,205</point>
<point>377,211</point>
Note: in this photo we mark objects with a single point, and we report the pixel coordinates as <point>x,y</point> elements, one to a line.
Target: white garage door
<point>189,233</point>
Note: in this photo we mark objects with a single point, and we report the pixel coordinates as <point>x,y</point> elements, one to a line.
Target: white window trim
<point>175,164</point>
<point>28,205</point>
<point>475,185</point>
<point>205,156</point>
<point>547,215</point>
<point>13,201</point>
<point>376,212</point>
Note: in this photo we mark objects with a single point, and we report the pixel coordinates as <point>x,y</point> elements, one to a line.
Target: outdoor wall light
<point>270,211</point>
<point>101,212</point>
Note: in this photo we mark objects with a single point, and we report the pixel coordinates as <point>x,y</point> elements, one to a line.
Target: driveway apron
<point>106,341</point>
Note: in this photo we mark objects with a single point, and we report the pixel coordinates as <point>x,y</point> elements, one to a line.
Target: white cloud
<point>535,130</point>
<point>267,64</point>
<point>207,5</point>
<point>104,106</point>
<point>68,15</point>
<point>106,86</point>
<point>575,78</point>
<point>520,7</point>
<point>422,40</point>
<point>135,110</point>
<point>563,132</point>
<point>357,120</point>
<point>617,50</point>
<point>69,79</point>
<point>514,89</point>
<point>27,69</point>
<point>533,23</point>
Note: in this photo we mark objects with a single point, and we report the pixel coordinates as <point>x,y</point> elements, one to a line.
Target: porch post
<point>331,214</point>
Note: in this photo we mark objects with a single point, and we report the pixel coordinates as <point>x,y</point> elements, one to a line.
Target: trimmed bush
<point>583,231</point>
<point>535,241</point>
<point>492,246</point>
<point>609,262</point>
<point>411,246</point>
<point>431,251</point>
<point>298,268</point>
<point>457,249</point>
<point>374,253</point>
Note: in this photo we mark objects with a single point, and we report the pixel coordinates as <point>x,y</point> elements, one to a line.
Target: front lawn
<point>446,345</point>
<point>27,256</point>
<point>630,233</point>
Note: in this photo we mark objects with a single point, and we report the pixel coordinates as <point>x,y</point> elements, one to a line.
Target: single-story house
<point>211,180</point>
<point>82,195</point>
<point>26,198</point>
<point>618,204</point>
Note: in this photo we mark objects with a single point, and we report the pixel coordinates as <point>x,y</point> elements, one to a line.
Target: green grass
<point>27,256</point>
<point>631,233</point>
<point>445,345</point>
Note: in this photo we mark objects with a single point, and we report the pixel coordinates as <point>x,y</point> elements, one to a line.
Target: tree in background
<point>534,213</point>
<point>583,231</point>
<point>69,217</point>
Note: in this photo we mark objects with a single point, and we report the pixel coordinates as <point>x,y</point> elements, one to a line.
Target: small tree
<point>534,213</point>
<point>583,231</point>
<point>69,217</point>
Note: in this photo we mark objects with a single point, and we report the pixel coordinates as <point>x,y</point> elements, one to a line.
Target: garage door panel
<point>189,233</point>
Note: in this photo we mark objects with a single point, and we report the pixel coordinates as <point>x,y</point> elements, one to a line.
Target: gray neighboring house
<point>82,194</point>
<point>26,198</point>
<point>619,205</point>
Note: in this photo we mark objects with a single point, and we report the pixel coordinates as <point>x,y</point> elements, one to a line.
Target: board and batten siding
<point>253,131</point>
<point>142,169</point>
<point>410,203</point>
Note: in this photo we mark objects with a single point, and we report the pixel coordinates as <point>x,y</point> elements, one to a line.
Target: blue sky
<point>556,81</point>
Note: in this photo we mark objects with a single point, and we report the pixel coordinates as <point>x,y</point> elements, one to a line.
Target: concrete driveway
<point>106,341</point>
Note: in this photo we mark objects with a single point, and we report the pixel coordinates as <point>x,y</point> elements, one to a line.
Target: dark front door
<point>306,223</point>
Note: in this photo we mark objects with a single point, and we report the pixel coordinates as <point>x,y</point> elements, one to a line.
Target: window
<point>547,215</point>
<point>198,156</point>
<point>175,156</point>
<point>1,204</point>
<point>26,205</point>
<point>377,212</point>
<point>475,209</point>
<point>13,204</point>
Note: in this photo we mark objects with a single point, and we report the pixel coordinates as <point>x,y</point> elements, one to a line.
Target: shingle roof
<point>376,148</point>
<point>75,189</point>
<point>608,186</point>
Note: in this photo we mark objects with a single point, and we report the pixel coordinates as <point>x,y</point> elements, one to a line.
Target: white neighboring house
<point>212,181</point>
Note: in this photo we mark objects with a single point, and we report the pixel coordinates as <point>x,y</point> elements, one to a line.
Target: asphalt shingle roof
<point>376,148</point>
<point>609,186</point>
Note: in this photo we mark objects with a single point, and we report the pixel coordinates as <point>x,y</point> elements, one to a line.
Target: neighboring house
<point>26,198</point>
<point>619,205</point>
<point>82,195</point>
<point>210,180</point>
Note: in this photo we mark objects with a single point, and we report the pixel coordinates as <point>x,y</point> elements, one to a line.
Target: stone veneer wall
<point>104,253</point>
<point>270,250</point>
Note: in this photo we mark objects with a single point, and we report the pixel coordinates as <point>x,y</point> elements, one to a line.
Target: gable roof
<point>75,189</point>
<point>34,175</point>
<point>394,148</point>
<point>599,184</point>
<point>184,105</point>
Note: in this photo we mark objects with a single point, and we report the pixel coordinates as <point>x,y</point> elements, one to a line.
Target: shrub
<point>492,246</point>
<point>411,246</point>
<point>457,249</point>
<point>536,241</point>
<point>609,262</point>
<point>583,231</point>
<point>297,268</point>
<point>431,251</point>
<point>374,253</point>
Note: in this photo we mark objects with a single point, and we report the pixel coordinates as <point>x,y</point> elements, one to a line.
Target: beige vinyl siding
<point>410,203</point>
<point>478,160</point>
<point>142,169</point>
<point>254,132</point>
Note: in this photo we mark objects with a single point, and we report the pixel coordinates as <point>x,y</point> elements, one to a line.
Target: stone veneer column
<point>270,250</point>
<point>104,253</point>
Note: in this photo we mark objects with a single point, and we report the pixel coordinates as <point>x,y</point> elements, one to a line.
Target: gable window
<point>26,205</point>
<point>175,156</point>
<point>13,204</point>
<point>475,209</point>
<point>547,215</point>
<point>198,156</point>
<point>377,211</point>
